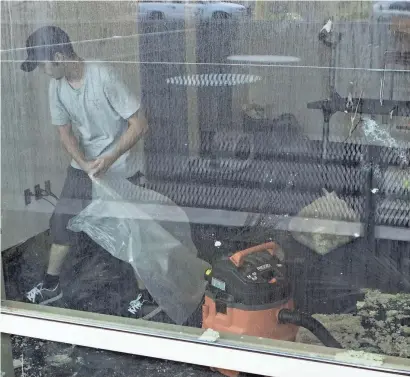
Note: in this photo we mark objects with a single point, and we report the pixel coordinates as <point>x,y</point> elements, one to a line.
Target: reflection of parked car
<point>200,10</point>
<point>385,10</point>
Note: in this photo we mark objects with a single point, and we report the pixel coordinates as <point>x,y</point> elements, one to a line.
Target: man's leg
<point>144,305</point>
<point>138,180</point>
<point>140,283</point>
<point>58,254</point>
<point>76,194</point>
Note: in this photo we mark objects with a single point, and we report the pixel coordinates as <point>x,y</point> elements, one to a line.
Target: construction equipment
<point>249,294</point>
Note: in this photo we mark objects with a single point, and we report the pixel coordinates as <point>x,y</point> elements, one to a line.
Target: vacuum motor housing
<point>245,293</point>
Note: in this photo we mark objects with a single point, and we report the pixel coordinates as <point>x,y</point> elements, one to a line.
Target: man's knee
<point>60,235</point>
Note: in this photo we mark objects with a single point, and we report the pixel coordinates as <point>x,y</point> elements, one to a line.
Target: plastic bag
<point>123,219</point>
<point>325,239</point>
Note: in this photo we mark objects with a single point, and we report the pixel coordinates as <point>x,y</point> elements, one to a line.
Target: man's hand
<point>101,165</point>
<point>89,166</point>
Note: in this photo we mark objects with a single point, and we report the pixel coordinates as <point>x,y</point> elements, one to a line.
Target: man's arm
<point>70,143</point>
<point>137,127</point>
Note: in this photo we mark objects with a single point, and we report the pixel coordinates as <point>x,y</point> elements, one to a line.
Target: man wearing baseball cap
<point>100,125</point>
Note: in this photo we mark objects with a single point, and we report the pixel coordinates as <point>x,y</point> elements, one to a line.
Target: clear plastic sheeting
<point>150,232</point>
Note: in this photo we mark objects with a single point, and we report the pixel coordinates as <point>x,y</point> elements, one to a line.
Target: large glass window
<point>239,169</point>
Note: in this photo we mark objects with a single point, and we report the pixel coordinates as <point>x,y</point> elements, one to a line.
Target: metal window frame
<point>182,344</point>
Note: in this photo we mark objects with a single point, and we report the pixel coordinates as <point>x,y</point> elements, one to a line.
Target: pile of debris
<point>380,325</point>
<point>386,320</point>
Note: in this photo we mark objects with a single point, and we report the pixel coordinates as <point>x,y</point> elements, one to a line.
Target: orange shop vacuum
<point>248,293</point>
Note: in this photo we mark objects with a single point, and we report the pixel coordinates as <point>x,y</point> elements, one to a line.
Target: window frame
<point>182,344</point>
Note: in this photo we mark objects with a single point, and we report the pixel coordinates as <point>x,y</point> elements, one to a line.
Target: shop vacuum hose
<point>308,322</point>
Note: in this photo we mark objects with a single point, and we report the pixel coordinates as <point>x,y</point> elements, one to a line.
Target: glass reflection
<point>237,166</point>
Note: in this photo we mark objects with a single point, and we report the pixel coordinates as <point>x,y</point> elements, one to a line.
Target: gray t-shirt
<point>98,113</point>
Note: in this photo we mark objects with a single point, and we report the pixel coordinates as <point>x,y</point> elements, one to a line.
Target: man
<point>100,125</point>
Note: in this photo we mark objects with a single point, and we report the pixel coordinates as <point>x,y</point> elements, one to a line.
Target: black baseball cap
<point>43,44</point>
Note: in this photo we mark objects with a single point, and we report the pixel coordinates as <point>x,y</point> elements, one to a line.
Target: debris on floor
<point>386,320</point>
<point>36,358</point>
<point>381,325</point>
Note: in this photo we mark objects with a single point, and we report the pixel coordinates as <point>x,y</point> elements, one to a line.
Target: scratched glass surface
<point>270,190</point>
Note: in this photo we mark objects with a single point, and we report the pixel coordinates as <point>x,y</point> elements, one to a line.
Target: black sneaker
<point>44,296</point>
<point>143,307</point>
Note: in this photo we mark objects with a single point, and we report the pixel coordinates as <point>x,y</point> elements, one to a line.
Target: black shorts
<point>75,196</point>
